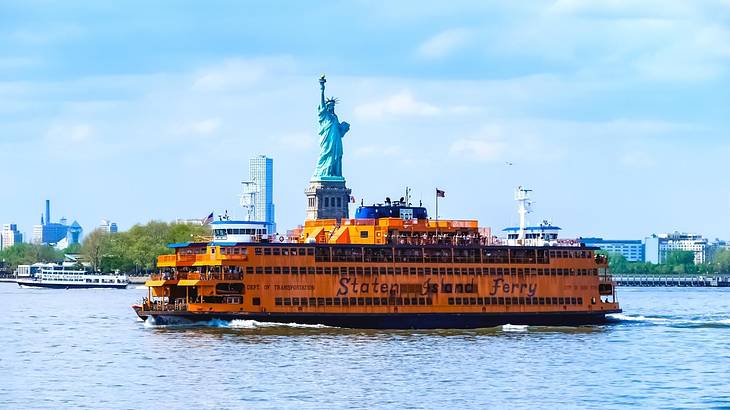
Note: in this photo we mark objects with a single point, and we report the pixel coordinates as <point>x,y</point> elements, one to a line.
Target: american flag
<point>208,219</point>
<point>440,193</point>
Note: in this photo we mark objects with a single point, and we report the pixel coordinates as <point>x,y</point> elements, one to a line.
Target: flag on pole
<point>208,220</point>
<point>440,193</point>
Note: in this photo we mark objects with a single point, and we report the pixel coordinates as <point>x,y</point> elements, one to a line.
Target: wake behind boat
<point>67,276</point>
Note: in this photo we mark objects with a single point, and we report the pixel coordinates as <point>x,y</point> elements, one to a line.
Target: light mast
<point>524,206</point>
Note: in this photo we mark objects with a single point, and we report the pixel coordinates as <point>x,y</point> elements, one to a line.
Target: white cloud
<point>401,104</point>
<point>238,73</point>
<point>202,127</point>
<point>74,133</point>
<point>445,43</point>
<point>479,148</point>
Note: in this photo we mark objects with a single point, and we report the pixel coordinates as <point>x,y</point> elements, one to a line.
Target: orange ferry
<point>390,267</point>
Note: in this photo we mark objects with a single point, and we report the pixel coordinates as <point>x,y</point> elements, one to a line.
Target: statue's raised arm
<point>322,80</point>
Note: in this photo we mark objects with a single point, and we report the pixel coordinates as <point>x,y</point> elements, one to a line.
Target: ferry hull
<point>393,320</point>
<point>72,285</point>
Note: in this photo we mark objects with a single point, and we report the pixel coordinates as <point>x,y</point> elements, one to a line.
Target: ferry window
<point>367,270</point>
<point>328,301</point>
<point>451,301</point>
<point>554,301</point>
<point>259,269</point>
<point>310,251</point>
<point>376,301</point>
<point>310,270</point>
<point>277,301</point>
<point>573,301</point>
<point>287,302</point>
<point>320,301</point>
<point>390,271</point>
<point>449,271</point>
<point>487,301</point>
<point>336,270</point>
<point>312,301</point>
<point>256,301</point>
<point>398,271</point>
<point>285,251</point>
<point>249,269</point>
<point>277,270</point>
<point>276,251</point>
<point>420,271</point>
<point>344,301</point>
<point>500,301</point>
<point>267,251</point>
<point>383,301</point>
<point>304,301</point>
<point>293,251</point>
<point>351,270</point>
<point>472,301</point>
<point>427,271</point>
<point>285,270</point>
<point>580,301</point>
<point>515,301</point>
<point>326,201</point>
<point>267,269</point>
<point>382,270</point>
<point>429,301</point>
<point>363,234</point>
<point>406,301</point>
<point>295,301</point>
<point>541,300</point>
<point>514,271</point>
<point>361,301</point>
<point>327,271</point>
<point>520,271</point>
<point>398,301</point>
<point>368,301</point>
<point>353,301</point>
<point>336,301</point>
<point>257,251</point>
<point>494,300</point>
<point>470,288</point>
<point>528,301</point>
<point>359,270</point>
<point>458,301</point>
<point>561,301</point>
<point>459,288</point>
<point>447,288</point>
<point>320,270</point>
<point>223,251</point>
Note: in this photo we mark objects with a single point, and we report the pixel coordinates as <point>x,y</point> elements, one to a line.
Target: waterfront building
<point>261,173</point>
<point>658,246</point>
<point>10,236</point>
<point>190,221</point>
<point>50,233</point>
<point>631,249</point>
<point>108,226</point>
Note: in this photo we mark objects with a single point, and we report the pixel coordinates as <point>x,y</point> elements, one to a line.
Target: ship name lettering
<point>348,285</point>
<point>513,288</point>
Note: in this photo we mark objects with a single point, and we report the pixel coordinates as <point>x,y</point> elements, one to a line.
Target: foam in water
<point>674,321</point>
<point>514,328</point>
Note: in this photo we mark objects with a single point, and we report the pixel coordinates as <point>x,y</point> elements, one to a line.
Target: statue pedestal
<point>328,198</point>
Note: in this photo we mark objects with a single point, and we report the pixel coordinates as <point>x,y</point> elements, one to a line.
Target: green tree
<point>95,245</point>
<point>680,258</point>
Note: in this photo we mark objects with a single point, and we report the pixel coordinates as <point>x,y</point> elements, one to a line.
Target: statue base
<point>328,198</point>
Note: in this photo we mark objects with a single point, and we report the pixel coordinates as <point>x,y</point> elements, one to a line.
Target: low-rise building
<point>658,246</point>
<point>631,249</point>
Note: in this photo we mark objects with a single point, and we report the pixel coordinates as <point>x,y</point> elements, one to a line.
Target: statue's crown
<point>332,100</point>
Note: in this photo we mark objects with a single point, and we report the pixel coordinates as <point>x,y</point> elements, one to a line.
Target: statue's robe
<point>331,132</point>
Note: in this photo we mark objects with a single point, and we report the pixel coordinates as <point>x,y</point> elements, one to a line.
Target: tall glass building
<point>261,171</point>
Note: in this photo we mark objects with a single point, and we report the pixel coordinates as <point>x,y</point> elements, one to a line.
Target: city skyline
<point>621,130</point>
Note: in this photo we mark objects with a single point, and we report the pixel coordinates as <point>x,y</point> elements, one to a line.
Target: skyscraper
<point>108,226</point>
<point>50,233</point>
<point>10,236</point>
<point>261,172</point>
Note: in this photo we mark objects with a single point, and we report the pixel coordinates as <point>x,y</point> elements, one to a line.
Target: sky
<point>616,113</point>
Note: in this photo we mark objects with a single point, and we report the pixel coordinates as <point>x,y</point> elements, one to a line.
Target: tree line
<point>678,263</point>
<point>132,251</point>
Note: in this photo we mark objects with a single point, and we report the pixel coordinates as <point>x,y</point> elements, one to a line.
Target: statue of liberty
<point>331,131</point>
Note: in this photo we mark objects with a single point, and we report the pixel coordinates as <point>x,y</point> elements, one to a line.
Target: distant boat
<point>67,276</point>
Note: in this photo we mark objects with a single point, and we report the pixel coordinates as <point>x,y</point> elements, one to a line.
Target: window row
<point>516,301</point>
<point>280,251</point>
<point>391,301</point>
<point>382,270</point>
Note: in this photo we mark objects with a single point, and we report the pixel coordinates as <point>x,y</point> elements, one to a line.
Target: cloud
<point>241,73</point>
<point>400,104</point>
<point>445,43</point>
<point>74,133</point>
<point>486,149</point>
<point>202,127</point>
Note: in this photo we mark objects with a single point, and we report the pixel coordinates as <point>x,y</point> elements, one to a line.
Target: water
<point>86,349</point>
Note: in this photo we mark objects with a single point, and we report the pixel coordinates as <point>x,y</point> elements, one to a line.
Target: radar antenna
<point>249,190</point>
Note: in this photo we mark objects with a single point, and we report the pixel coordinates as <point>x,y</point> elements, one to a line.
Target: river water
<point>86,349</point>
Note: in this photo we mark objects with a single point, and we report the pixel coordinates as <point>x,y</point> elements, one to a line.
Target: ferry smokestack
<point>48,211</point>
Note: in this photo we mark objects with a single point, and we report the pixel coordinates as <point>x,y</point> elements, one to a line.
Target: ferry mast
<point>524,206</point>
